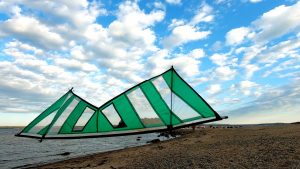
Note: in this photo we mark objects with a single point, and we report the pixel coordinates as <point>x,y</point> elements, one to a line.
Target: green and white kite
<point>161,103</point>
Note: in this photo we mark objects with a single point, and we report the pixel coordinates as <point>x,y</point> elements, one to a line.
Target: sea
<point>18,152</point>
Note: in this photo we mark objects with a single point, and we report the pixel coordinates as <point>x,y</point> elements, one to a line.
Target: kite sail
<point>161,103</point>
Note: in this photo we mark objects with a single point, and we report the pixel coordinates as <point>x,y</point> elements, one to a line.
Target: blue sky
<point>241,56</point>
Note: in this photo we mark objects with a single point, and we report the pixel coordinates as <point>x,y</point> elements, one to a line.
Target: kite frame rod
<point>171,126</point>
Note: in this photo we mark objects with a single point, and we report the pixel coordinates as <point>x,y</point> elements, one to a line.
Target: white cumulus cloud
<point>32,30</point>
<point>204,14</point>
<point>174,2</point>
<point>277,22</point>
<point>187,64</point>
<point>225,73</point>
<point>255,1</point>
<point>237,35</point>
<point>214,88</point>
<point>183,34</point>
<point>250,70</point>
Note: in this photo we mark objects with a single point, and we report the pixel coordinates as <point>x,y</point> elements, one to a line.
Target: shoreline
<point>178,134</point>
<point>83,156</point>
<point>246,147</point>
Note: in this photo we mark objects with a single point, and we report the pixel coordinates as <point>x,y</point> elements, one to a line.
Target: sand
<point>246,147</point>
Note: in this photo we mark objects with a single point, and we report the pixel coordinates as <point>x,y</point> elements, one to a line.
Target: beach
<point>275,146</point>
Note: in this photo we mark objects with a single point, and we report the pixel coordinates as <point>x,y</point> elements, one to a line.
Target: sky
<point>241,56</point>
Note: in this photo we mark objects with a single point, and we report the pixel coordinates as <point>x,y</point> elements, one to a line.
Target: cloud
<point>283,49</point>
<point>9,8</point>
<point>126,40</point>
<point>34,76</point>
<point>250,69</point>
<point>225,73</point>
<point>187,64</point>
<point>219,1</point>
<point>219,59</point>
<point>204,14</point>
<point>229,100</point>
<point>48,56</point>
<point>14,77</point>
<point>79,53</point>
<point>30,80</point>
<point>217,46</point>
<point>266,56</point>
<point>24,47</point>
<point>224,59</point>
<point>291,64</point>
<point>246,88</point>
<point>252,52</point>
<point>76,14</point>
<point>277,104</point>
<point>236,36</point>
<point>197,53</point>
<point>175,23</point>
<point>73,64</point>
<point>294,75</point>
<point>130,13</point>
<point>159,5</point>
<point>255,1</point>
<point>183,34</point>
<point>260,34</point>
<point>213,89</point>
<point>16,49</point>
<point>277,22</point>
<point>31,30</point>
<point>244,85</point>
<point>174,2</point>
<point>132,26</point>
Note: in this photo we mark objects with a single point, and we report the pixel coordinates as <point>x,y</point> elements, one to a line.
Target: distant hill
<point>261,124</point>
<point>10,127</point>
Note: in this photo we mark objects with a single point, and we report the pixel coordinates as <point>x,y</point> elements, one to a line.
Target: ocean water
<point>17,152</point>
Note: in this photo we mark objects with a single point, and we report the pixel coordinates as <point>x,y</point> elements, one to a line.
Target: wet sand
<point>246,147</point>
